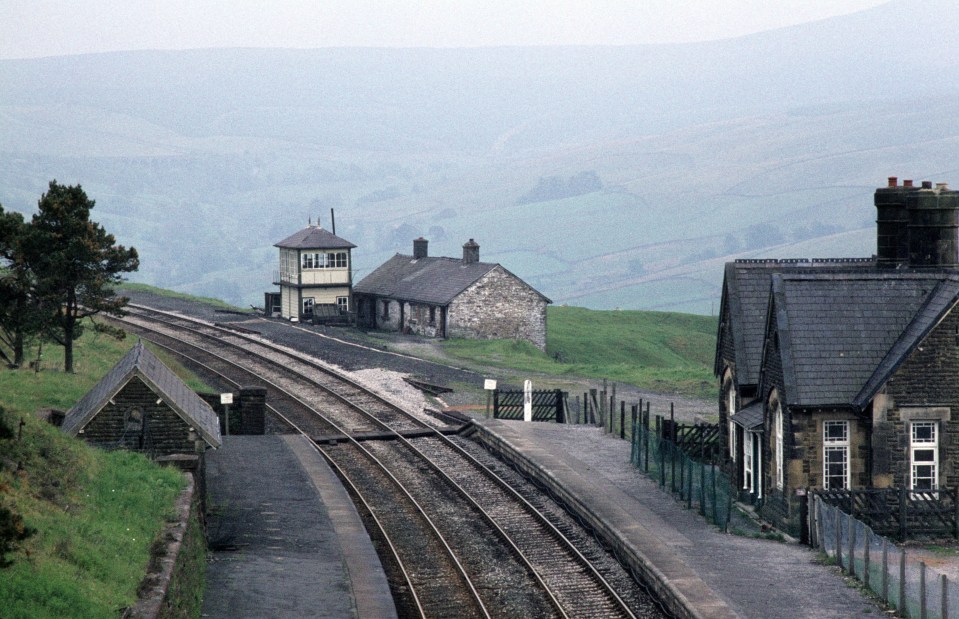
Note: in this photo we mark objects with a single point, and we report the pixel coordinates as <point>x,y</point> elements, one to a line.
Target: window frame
<point>779,438</point>
<point>730,411</point>
<point>343,304</point>
<point>931,445</point>
<point>305,303</point>
<point>838,446</point>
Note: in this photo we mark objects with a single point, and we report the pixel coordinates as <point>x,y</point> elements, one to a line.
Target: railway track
<point>454,537</point>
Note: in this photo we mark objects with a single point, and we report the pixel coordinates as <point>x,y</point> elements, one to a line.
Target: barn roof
<point>314,237</point>
<point>841,332</point>
<point>432,280</point>
<point>746,301</point>
<point>175,393</point>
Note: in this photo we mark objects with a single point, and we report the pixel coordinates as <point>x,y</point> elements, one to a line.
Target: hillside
<point>95,513</point>
<point>768,145</point>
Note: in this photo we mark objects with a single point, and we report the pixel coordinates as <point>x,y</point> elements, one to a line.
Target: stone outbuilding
<point>844,374</point>
<point>450,297</point>
<point>141,405</point>
<point>315,275</point>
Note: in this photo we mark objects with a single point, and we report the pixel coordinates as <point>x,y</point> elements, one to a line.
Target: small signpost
<point>226,399</point>
<point>528,400</point>
<point>490,386</point>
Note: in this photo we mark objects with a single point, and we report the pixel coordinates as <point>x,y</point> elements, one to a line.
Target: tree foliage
<point>19,316</point>
<point>62,267</point>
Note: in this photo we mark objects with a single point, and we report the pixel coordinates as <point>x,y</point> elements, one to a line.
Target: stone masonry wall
<point>924,388</point>
<point>499,306</point>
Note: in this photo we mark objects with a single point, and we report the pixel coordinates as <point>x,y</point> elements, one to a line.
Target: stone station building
<point>843,374</point>
<point>450,297</point>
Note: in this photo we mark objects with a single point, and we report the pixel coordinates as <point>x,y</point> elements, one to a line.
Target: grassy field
<point>660,351</point>
<point>95,513</point>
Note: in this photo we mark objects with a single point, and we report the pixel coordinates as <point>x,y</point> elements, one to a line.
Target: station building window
<point>308,306</point>
<point>835,455</point>
<point>343,303</point>
<point>924,456</point>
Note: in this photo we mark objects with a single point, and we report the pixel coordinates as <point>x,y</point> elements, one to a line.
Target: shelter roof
<point>175,393</point>
<point>314,237</point>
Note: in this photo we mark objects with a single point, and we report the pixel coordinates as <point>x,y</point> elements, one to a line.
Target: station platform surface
<point>713,574</point>
<point>288,540</point>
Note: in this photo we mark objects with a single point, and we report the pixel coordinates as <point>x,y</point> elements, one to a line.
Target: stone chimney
<point>933,226</point>
<point>470,252</point>
<point>892,235</point>
<point>420,248</point>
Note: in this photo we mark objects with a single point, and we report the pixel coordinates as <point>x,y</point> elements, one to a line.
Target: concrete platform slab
<point>689,562</point>
<point>291,542</point>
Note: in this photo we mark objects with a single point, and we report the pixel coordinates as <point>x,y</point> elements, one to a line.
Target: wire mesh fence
<point>700,484</point>
<point>906,583</point>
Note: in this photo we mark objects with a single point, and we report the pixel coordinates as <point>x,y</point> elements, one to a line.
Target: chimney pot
<point>893,181</point>
<point>907,182</point>
<point>927,184</point>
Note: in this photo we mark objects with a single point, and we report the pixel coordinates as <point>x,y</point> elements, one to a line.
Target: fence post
<point>839,538</point>
<point>633,457</point>
<point>646,435</point>
<point>902,580</point>
<point>851,535</point>
<point>715,499</point>
<point>902,513</point>
<point>495,403</point>
<point>560,416</point>
<point>702,474</point>
<point>672,450</point>
<point>922,590</point>
<point>944,592</point>
<point>578,410</point>
<point>865,558</point>
<point>885,569</point>
<point>622,419</point>
<point>689,485</point>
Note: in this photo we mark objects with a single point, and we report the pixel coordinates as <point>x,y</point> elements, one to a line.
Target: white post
<point>528,400</point>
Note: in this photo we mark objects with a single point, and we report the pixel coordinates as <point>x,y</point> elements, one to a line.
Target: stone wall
<point>924,388</point>
<point>499,306</point>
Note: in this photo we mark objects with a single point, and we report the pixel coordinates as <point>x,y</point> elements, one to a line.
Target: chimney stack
<point>420,248</point>
<point>892,235</point>
<point>471,252</point>
<point>933,226</point>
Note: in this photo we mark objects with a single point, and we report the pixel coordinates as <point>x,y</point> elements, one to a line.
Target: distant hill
<point>769,144</point>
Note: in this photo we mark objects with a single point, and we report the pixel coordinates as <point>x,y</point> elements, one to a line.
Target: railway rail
<point>454,537</point>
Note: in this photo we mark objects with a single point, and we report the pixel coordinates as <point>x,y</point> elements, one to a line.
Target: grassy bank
<point>95,513</point>
<point>660,351</point>
<point>126,287</point>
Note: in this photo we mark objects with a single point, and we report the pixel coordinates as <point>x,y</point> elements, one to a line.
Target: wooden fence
<point>546,405</point>
<point>900,512</point>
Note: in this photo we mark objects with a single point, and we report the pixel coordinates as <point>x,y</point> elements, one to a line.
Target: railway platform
<point>287,540</point>
<point>697,570</point>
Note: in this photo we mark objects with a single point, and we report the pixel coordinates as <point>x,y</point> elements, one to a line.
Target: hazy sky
<point>32,28</point>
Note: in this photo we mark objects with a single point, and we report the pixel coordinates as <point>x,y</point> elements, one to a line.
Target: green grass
<point>163,292</point>
<point>661,351</point>
<point>96,513</point>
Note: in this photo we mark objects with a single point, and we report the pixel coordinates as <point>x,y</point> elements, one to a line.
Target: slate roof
<point>838,330</point>
<point>746,302</point>
<point>431,280</point>
<point>167,385</point>
<point>314,237</point>
<point>751,417</point>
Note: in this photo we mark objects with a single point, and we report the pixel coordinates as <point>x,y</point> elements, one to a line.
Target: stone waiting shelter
<point>141,405</point>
